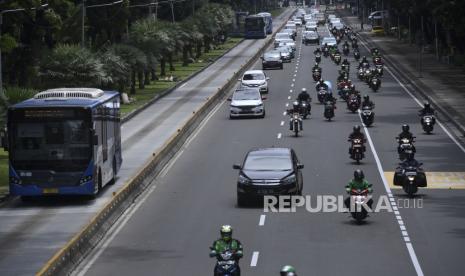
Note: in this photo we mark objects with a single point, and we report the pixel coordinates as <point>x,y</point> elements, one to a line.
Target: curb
<point>417,87</point>
<point>70,255</point>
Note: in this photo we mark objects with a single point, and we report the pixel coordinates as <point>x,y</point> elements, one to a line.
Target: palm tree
<point>134,58</point>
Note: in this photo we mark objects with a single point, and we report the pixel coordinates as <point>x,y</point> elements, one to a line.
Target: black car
<point>272,59</point>
<point>269,171</point>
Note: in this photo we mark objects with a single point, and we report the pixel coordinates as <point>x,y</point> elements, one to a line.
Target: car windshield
<point>253,76</point>
<point>282,36</point>
<point>329,40</point>
<point>247,95</point>
<point>268,163</point>
<point>283,49</point>
<point>273,54</point>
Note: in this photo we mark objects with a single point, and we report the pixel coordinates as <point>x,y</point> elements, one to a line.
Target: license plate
<point>265,192</point>
<point>50,191</point>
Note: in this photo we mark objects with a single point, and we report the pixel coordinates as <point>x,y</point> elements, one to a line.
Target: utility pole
<point>172,10</point>
<point>83,19</point>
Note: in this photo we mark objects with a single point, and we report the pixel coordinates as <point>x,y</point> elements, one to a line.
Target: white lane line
<point>292,85</point>
<point>111,234</point>
<point>290,91</point>
<point>295,75</point>
<point>293,80</point>
<point>182,85</point>
<point>262,220</point>
<point>254,260</point>
<point>289,97</point>
<point>279,135</point>
<point>287,104</point>
<point>284,113</point>
<point>420,104</point>
<point>282,123</point>
<point>411,251</point>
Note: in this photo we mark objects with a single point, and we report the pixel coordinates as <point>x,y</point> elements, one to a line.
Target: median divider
<point>74,251</point>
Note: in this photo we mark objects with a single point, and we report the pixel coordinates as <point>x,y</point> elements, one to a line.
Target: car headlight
<point>291,179</point>
<point>244,180</point>
<point>262,83</point>
<point>258,107</point>
<point>235,108</point>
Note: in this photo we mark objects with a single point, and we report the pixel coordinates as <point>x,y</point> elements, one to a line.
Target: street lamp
<point>1,22</point>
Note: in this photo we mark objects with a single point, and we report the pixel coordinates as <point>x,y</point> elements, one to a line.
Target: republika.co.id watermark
<point>340,204</point>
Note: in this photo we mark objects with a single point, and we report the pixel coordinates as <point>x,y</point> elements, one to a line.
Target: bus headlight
<point>85,179</point>
<point>14,180</point>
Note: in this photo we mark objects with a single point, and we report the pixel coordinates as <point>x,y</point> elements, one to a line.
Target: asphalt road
<point>169,230</point>
<point>31,233</point>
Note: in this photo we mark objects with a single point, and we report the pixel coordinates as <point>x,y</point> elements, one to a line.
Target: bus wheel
<point>27,199</point>
<point>113,180</point>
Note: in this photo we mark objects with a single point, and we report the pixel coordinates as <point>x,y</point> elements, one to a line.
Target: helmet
<point>226,232</point>
<point>405,128</point>
<point>366,98</point>
<point>356,129</point>
<point>427,105</point>
<point>358,175</point>
<point>295,104</point>
<point>346,78</point>
<point>304,89</point>
<point>286,270</point>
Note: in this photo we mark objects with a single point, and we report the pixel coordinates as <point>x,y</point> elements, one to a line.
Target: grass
<point>143,96</point>
<point>3,172</point>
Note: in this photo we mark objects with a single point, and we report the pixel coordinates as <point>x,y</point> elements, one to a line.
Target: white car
<point>246,102</point>
<point>328,40</point>
<point>289,42</point>
<point>311,26</point>
<point>255,78</point>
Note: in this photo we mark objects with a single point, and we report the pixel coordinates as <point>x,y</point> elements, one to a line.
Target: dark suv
<point>272,59</point>
<point>269,171</point>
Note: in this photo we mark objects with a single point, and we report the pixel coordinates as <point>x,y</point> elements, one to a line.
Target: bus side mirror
<point>4,140</point>
<point>95,139</point>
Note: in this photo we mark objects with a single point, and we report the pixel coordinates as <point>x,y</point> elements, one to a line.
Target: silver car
<point>246,102</point>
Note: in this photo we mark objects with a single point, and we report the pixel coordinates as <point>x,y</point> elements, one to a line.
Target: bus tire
<point>113,180</point>
<point>27,199</point>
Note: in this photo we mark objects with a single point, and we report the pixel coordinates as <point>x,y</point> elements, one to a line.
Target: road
<point>169,230</point>
<point>31,233</point>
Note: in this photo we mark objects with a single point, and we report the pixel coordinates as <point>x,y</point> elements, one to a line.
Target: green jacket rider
<point>226,242</point>
<point>359,182</point>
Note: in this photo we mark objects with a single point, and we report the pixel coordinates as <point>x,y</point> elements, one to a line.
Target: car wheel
<point>281,66</point>
<point>263,116</point>
<point>241,200</point>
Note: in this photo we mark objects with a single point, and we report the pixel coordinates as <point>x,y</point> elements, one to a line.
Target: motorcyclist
<point>316,67</point>
<point>329,97</point>
<point>321,83</point>
<point>356,134</point>
<point>295,109</point>
<point>410,161</point>
<point>317,51</point>
<point>358,183</point>
<point>226,242</point>
<point>426,110</point>
<point>364,60</point>
<point>287,270</point>
<point>346,44</point>
<point>367,103</point>
<point>405,133</point>
<point>304,96</point>
<point>345,62</point>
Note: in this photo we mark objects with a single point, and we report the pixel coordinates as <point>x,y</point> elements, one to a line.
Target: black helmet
<point>427,105</point>
<point>366,98</point>
<point>356,129</point>
<point>405,128</point>
<point>358,175</point>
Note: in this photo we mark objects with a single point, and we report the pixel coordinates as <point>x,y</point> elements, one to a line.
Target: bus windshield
<point>58,141</point>
<point>254,24</point>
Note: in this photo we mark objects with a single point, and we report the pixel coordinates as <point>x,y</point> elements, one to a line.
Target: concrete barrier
<point>65,260</point>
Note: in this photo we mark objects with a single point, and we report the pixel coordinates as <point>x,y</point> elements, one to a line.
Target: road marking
<point>411,251</point>
<point>254,260</point>
<point>279,135</point>
<point>289,97</point>
<point>262,220</point>
<point>287,104</point>
<point>436,180</point>
<point>420,104</point>
<point>284,113</point>
<point>182,85</point>
<point>290,91</point>
<point>282,123</point>
<point>111,234</point>
<point>295,75</point>
<point>292,85</point>
<point>293,80</point>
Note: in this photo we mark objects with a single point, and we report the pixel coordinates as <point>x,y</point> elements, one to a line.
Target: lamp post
<point>1,22</point>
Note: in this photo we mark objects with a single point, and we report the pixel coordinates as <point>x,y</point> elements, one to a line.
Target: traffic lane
<point>310,240</point>
<point>73,212</point>
<point>434,229</point>
<point>202,204</point>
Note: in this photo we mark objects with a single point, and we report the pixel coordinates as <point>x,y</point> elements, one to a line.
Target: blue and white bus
<point>255,26</point>
<point>268,22</point>
<point>64,141</point>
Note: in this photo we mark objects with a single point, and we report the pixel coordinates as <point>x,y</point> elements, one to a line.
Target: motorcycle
<point>357,150</point>
<point>410,178</point>
<point>321,94</point>
<point>344,92</point>
<point>405,147</point>
<point>345,68</point>
<point>368,116</point>
<point>345,50</point>
<point>356,55</point>
<point>296,123</point>
<point>325,51</point>
<point>379,69</point>
<point>227,264</point>
<point>329,110</point>
<point>353,103</point>
<point>316,75</point>
<point>427,122</point>
<point>361,74</point>
<point>359,197</point>
<point>375,83</point>
<point>337,59</point>
<point>317,58</point>
<point>304,109</point>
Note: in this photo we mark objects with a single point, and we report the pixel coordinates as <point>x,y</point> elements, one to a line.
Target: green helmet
<point>287,269</point>
<point>226,232</point>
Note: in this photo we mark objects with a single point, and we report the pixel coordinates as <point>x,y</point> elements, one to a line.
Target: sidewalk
<point>442,84</point>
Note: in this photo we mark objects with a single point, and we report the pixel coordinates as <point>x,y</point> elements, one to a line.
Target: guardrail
<point>64,261</point>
